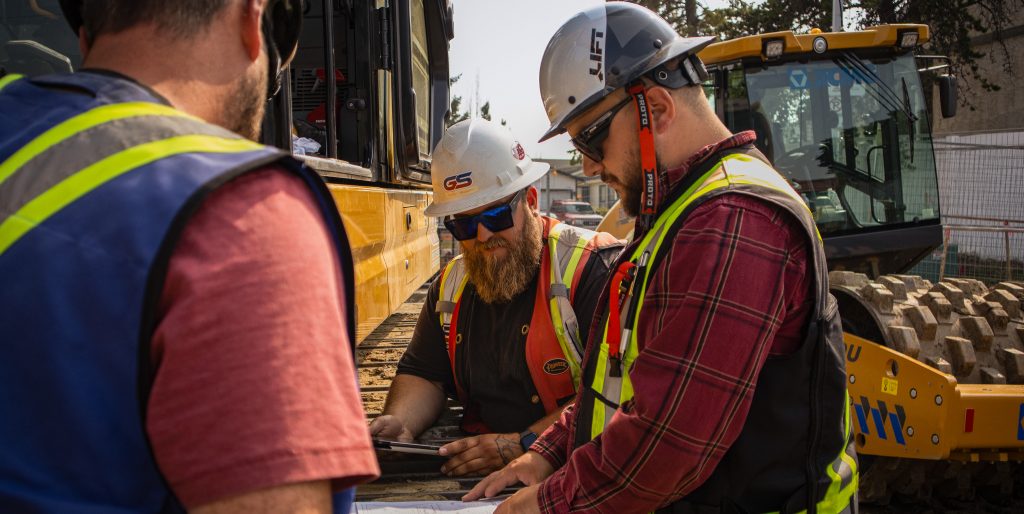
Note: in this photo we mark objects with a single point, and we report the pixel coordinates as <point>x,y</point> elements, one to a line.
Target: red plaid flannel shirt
<point>733,288</point>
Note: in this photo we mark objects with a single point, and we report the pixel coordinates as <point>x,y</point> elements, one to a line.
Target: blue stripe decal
<point>897,428</point>
<point>861,419</point>
<point>1020,424</point>
<point>879,424</point>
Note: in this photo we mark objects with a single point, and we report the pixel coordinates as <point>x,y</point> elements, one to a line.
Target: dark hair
<point>177,18</point>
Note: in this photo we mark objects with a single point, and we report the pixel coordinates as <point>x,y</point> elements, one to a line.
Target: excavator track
<point>962,328</point>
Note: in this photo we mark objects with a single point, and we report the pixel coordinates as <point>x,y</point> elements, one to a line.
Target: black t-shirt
<point>491,359</point>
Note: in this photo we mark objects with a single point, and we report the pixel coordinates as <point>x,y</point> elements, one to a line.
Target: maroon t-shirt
<point>255,384</point>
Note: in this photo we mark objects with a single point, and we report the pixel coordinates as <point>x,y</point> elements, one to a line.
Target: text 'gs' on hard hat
<point>477,162</point>
<point>606,47</point>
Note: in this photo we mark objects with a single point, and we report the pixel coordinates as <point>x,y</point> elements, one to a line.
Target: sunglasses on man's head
<point>496,219</point>
<point>590,140</point>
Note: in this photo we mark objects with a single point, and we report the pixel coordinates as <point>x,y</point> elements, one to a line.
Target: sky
<point>499,44</point>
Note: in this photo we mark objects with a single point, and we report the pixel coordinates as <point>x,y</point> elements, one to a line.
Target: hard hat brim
<point>473,201</point>
<point>558,126</point>
<point>680,47</point>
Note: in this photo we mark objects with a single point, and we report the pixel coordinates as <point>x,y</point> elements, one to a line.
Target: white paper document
<point>427,507</point>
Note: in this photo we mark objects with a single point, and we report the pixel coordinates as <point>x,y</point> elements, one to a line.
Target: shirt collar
<point>672,177</point>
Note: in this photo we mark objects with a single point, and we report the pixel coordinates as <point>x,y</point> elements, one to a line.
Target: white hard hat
<point>475,163</point>
<point>605,48</point>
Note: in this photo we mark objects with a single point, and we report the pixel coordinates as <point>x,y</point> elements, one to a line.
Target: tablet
<point>395,446</point>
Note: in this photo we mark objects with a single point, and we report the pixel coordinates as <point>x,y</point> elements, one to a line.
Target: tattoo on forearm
<point>508,448</point>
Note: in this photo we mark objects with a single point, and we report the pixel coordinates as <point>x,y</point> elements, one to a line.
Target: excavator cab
<point>848,126</point>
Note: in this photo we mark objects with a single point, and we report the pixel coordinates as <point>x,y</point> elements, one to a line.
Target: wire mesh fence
<point>981,189</point>
<point>989,254</point>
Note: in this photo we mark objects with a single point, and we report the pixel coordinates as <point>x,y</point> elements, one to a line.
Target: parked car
<point>577,214</point>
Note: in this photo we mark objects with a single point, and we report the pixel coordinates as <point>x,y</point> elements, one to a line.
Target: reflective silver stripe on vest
<point>612,388</point>
<point>567,238</point>
<point>69,156</point>
<point>451,280</point>
<point>843,468</point>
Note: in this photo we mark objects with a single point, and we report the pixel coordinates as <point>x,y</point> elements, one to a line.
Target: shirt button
<point>535,399</point>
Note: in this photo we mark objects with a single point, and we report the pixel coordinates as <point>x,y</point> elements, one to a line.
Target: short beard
<point>499,280</point>
<point>633,187</point>
<point>243,112</point>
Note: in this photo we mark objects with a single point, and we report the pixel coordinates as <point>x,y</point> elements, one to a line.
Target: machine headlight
<point>908,39</point>
<point>773,48</point>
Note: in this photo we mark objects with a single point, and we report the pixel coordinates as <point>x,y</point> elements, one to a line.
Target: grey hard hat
<point>607,47</point>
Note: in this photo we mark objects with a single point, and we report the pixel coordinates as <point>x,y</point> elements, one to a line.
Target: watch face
<point>526,439</point>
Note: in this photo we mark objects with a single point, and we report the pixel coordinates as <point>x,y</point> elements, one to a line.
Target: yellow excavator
<point>936,370</point>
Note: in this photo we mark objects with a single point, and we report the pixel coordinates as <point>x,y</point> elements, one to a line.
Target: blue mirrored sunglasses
<point>496,219</point>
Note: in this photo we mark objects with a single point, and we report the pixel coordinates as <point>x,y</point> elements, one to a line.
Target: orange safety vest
<point>553,344</point>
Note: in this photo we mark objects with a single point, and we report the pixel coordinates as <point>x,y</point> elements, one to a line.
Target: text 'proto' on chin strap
<point>648,157</point>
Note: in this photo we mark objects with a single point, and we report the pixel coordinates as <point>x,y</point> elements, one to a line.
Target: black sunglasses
<point>282,22</point>
<point>496,219</point>
<point>591,139</point>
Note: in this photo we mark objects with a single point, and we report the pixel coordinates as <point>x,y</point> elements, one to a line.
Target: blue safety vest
<point>98,177</point>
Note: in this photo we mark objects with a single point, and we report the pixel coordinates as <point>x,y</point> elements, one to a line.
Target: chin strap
<point>648,158</point>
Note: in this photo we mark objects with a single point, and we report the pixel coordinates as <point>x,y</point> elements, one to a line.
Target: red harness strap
<point>617,292</point>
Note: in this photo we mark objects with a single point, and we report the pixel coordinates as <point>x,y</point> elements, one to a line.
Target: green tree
<point>455,113</point>
<point>952,22</point>
<point>682,14</point>
<point>485,113</point>
<point>745,18</point>
<point>575,157</point>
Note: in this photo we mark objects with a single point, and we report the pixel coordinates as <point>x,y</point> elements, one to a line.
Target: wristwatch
<point>526,438</point>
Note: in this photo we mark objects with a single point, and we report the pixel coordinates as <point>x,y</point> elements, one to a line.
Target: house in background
<point>557,184</point>
<point>563,175</point>
<point>596,193</point>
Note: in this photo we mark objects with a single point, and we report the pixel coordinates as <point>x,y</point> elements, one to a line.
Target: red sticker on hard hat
<point>556,366</point>
<point>518,152</point>
<point>458,181</point>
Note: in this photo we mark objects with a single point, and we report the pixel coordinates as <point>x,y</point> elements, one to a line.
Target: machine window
<point>421,77</point>
<point>850,134</point>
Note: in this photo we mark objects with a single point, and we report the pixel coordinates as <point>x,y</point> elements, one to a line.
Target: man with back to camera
<point>176,307</point>
<point>500,328</point>
<point>719,383</point>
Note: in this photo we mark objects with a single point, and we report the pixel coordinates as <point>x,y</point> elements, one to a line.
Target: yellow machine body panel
<point>753,46</point>
<point>394,247</point>
<point>904,408</point>
<point>616,222</point>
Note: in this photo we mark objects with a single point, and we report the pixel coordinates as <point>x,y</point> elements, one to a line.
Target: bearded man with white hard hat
<point>715,380</point>
<point>503,326</point>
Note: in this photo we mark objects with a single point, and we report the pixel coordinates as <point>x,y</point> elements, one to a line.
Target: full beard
<point>498,280</point>
<point>243,113</point>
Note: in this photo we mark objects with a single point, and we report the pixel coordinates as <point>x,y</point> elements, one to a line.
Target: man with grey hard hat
<point>503,326</point>
<point>715,377</point>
